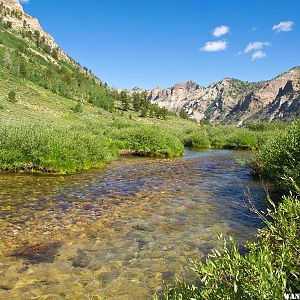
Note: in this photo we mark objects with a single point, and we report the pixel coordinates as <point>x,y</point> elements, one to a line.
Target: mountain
<point>13,14</point>
<point>232,101</point>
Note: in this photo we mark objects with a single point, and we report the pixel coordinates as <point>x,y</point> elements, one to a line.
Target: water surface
<point>118,233</point>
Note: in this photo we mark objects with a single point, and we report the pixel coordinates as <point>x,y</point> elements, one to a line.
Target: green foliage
<point>150,141</point>
<point>268,270</point>
<point>279,159</point>
<point>12,97</point>
<point>48,148</point>
<point>241,139</point>
<point>263,126</point>
<point>77,108</point>
<point>125,100</point>
<point>197,139</point>
<point>183,114</point>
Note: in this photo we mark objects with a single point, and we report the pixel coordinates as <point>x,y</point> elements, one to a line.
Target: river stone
<point>81,260</point>
<point>38,253</point>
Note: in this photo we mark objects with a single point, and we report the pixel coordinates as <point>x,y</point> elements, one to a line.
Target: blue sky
<point>149,43</point>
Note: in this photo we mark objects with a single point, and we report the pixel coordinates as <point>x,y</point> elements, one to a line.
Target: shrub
<point>47,148</point>
<point>77,108</point>
<point>232,137</point>
<point>279,158</point>
<point>198,139</point>
<point>241,139</point>
<point>150,141</point>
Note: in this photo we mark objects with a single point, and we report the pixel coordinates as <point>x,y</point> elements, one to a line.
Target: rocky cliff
<point>12,12</point>
<point>235,101</point>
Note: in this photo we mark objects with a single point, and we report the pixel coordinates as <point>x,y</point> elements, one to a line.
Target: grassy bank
<point>74,142</point>
<point>270,266</point>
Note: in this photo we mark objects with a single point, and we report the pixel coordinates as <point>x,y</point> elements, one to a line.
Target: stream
<point>120,232</point>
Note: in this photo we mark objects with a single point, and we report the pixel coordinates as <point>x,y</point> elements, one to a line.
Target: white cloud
<point>220,30</point>
<point>214,46</point>
<point>258,55</point>
<point>256,46</point>
<point>283,26</point>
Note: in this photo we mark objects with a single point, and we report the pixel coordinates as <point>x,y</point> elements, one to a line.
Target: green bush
<point>198,139</point>
<point>47,148</point>
<point>150,141</point>
<point>279,159</point>
<point>241,139</point>
<point>77,108</point>
<point>233,137</point>
<point>268,270</point>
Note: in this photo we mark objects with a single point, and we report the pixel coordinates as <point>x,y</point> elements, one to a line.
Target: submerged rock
<point>39,253</point>
<point>81,260</point>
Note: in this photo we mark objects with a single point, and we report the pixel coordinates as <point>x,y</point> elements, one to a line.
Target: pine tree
<point>12,97</point>
<point>183,114</point>
<point>23,68</point>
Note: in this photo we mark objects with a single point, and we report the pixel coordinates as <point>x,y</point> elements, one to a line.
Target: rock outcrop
<point>13,12</point>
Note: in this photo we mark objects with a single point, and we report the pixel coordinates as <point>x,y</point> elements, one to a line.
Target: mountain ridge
<point>232,100</point>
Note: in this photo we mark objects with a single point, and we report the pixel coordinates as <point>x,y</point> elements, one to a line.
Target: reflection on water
<point>120,232</point>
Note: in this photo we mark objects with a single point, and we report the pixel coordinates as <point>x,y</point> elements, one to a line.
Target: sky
<point>150,43</point>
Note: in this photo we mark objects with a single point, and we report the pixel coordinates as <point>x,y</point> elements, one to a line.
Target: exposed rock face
<point>235,101</point>
<point>176,97</point>
<point>14,4</point>
<point>23,21</point>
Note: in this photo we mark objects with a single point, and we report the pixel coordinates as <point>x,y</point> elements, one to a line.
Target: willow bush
<point>279,160</point>
<point>50,148</point>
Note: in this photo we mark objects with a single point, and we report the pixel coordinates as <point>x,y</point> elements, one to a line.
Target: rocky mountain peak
<point>13,4</point>
<point>13,13</point>
<point>234,101</point>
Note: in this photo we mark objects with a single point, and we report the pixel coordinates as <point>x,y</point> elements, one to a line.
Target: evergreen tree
<point>12,97</point>
<point>136,101</point>
<point>183,114</point>
<point>124,100</point>
<point>144,112</point>
<point>23,67</point>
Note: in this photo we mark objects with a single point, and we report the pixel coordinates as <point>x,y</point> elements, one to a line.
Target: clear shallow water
<point>118,233</point>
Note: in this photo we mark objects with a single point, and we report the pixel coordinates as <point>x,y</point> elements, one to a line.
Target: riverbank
<point>67,148</point>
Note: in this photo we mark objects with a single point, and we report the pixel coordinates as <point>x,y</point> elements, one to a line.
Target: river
<point>120,232</point>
